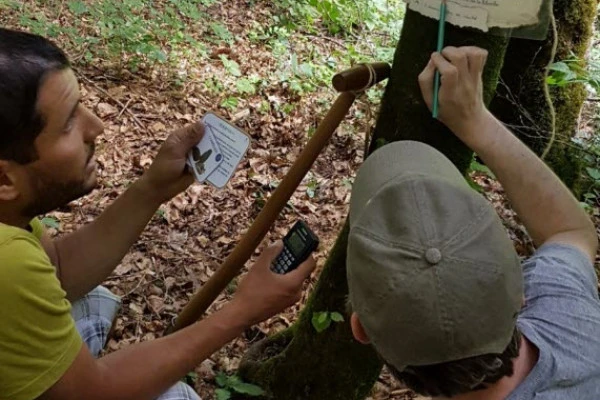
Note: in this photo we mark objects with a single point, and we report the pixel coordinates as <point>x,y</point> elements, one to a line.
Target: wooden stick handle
<point>234,263</point>
<point>361,77</point>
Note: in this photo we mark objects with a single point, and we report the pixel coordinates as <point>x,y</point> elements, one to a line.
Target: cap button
<point>433,256</point>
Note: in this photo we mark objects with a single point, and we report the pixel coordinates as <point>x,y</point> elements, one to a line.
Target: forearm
<point>546,207</point>
<point>88,255</point>
<point>144,371</point>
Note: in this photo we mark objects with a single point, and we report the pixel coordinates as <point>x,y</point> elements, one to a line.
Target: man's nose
<point>95,127</point>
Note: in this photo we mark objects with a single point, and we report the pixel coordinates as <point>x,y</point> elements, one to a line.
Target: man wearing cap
<point>435,283</point>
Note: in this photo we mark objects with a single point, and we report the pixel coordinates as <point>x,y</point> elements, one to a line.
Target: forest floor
<point>191,235</point>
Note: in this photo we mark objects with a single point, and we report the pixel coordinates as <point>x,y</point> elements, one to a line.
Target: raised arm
<point>547,208</point>
<point>87,256</point>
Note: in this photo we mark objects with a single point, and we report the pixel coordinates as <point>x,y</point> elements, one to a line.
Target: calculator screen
<point>296,244</point>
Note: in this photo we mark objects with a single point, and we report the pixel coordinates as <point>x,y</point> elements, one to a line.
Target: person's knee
<point>180,391</point>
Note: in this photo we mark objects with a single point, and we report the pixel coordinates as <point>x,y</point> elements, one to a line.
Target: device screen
<point>296,244</point>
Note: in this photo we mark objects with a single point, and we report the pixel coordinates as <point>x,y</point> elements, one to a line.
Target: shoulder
<point>21,254</point>
<point>38,338</point>
<point>560,267</point>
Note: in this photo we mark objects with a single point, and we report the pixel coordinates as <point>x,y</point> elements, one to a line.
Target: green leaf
<point>594,173</point>
<point>337,317</point>
<point>321,321</point>
<point>476,166</point>
<point>230,102</point>
<point>233,380</point>
<point>560,67</point>
<point>78,7</point>
<point>245,86</point>
<point>221,32</point>
<point>231,66</point>
<point>248,388</point>
<point>51,222</point>
<point>221,379</point>
<point>223,394</point>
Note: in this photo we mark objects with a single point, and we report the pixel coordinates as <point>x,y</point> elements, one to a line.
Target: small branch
<point>593,100</point>
<point>125,108</point>
<point>328,39</point>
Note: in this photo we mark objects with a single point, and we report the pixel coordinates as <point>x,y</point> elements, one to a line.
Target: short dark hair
<point>25,60</point>
<point>456,377</point>
<point>462,376</point>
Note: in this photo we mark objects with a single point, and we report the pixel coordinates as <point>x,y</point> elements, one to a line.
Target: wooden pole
<point>359,77</point>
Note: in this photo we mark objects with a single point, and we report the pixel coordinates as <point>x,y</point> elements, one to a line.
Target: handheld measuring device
<point>298,244</point>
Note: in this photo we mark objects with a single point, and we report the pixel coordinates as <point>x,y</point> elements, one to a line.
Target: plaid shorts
<point>94,315</point>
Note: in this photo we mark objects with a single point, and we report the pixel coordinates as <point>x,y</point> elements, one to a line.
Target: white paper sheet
<point>482,14</point>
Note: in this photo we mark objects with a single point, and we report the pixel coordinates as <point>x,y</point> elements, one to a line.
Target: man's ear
<point>357,330</point>
<point>8,187</point>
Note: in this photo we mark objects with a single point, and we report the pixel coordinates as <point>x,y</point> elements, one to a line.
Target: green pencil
<point>440,47</point>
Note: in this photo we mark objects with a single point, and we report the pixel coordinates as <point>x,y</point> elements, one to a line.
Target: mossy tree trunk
<point>546,118</point>
<point>300,363</point>
<point>574,24</point>
<point>523,101</point>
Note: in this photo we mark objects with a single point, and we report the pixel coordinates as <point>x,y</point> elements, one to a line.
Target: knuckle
<point>452,72</point>
<point>449,50</point>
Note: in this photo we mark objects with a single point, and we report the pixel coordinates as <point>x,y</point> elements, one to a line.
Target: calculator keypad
<point>283,262</point>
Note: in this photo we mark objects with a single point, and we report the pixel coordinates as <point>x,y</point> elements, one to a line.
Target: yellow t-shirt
<point>38,339</point>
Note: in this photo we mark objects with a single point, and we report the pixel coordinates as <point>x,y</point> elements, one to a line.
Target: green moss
<point>574,20</point>
<point>567,163</point>
<point>522,101</point>
<point>301,364</point>
<point>546,118</point>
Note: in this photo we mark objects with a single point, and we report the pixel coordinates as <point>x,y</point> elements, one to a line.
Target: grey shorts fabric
<point>94,315</point>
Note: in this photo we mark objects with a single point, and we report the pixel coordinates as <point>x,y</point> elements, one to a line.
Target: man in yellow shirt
<point>46,160</point>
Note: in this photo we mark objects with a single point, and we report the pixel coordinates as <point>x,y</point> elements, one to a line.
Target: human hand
<point>461,103</point>
<point>168,175</point>
<point>262,293</point>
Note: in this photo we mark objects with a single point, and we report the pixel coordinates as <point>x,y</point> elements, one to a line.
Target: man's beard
<point>52,195</point>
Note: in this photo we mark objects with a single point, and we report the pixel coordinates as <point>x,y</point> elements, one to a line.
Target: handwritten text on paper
<point>482,14</point>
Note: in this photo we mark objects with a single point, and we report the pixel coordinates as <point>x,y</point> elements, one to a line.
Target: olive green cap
<point>432,273</point>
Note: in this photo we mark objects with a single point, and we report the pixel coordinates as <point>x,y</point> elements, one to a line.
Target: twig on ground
<point>124,108</point>
<point>328,39</point>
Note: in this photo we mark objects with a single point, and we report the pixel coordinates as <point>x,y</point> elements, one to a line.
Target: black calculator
<point>298,244</point>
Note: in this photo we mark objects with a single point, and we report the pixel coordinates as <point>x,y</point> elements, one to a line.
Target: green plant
<point>230,103</point>
<point>51,222</point>
<point>245,86</point>
<point>476,166</point>
<point>312,187</point>
<point>322,320</point>
<point>572,70</point>
<point>592,196</point>
<point>231,66</point>
<point>234,384</point>
<point>133,31</point>
<point>221,32</point>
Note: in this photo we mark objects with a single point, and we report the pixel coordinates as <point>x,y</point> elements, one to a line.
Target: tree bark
<point>546,118</point>
<point>523,101</point>
<point>300,363</point>
<point>574,23</point>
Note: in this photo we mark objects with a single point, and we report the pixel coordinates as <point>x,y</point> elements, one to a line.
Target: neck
<point>12,218</point>
<point>523,364</point>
